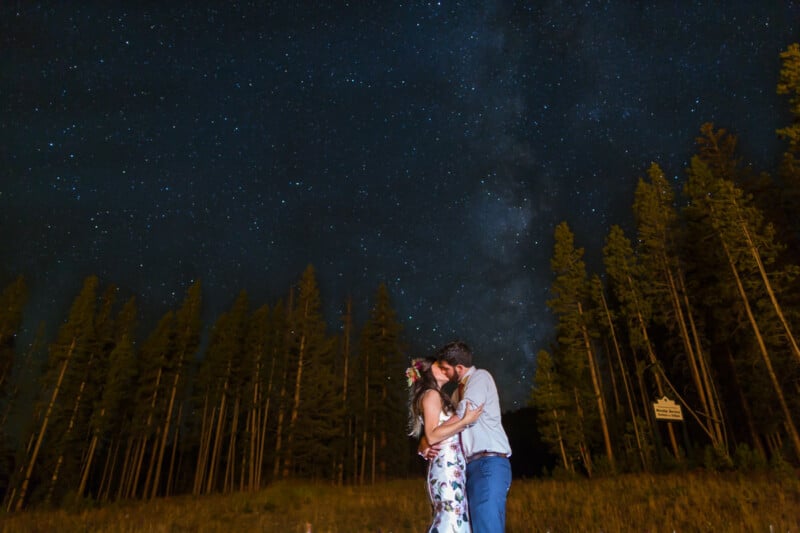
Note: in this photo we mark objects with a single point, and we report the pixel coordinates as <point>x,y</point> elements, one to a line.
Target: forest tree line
<point>273,396</point>
<point>699,304</point>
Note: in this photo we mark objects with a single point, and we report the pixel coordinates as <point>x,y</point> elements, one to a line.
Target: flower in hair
<point>413,372</point>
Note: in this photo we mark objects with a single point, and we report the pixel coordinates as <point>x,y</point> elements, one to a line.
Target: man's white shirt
<point>487,433</point>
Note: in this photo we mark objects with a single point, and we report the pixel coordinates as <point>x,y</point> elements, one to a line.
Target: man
<point>485,443</point>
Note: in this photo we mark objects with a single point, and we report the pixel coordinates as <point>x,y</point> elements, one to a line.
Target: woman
<point>432,411</point>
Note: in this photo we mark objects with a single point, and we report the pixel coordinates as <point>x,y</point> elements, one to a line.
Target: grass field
<point>676,502</point>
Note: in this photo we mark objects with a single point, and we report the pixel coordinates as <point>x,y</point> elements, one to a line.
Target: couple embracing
<point>462,438</point>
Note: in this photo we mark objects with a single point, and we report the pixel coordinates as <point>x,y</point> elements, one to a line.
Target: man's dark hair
<point>455,353</point>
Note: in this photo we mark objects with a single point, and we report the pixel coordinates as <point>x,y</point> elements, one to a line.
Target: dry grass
<point>678,502</point>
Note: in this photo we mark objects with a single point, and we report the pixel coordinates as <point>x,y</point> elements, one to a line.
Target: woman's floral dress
<point>447,487</point>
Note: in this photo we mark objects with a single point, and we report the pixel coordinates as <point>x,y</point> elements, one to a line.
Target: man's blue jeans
<point>488,481</point>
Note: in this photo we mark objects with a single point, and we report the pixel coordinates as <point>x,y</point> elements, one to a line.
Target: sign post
<point>666,409</point>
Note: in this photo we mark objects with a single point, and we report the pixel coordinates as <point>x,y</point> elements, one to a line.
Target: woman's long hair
<point>423,382</point>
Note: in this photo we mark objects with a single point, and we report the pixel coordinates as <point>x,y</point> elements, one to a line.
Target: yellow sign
<point>666,409</point>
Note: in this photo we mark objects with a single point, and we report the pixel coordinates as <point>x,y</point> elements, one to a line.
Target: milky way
<point>433,146</point>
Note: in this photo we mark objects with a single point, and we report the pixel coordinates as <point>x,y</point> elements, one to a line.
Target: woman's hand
<point>471,415</point>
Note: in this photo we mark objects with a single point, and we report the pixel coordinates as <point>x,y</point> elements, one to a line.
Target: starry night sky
<point>433,146</point>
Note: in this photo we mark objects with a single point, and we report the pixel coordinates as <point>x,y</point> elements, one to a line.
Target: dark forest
<point>699,305</point>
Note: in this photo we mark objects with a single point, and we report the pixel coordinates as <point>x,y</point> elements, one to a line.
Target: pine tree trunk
<point>586,457</point>
<point>287,464</point>
<point>108,471</point>
<point>789,423</point>
<point>276,470</point>
<point>711,425</point>
<point>612,375</point>
<point>26,480</point>
<point>598,391</point>
<point>583,451</point>
<point>141,451</point>
<point>364,443</point>
<point>206,424</point>
<point>768,286</point>
<point>365,419</point>
<point>148,425</point>
<point>282,398</point>
<point>126,467</point>
<point>263,428</point>
<point>659,386</point>
<point>715,404</point>
<point>626,383</point>
<point>262,442</point>
<point>212,469</point>
<point>151,464</point>
<point>348,327</point>
<point>67,434</point>
<point>87,466</point>
<point>165,431</point>
<point>561,446</point>
<point>381,433</point>
<point>356,476</point>
<point>372,477</point>
<point>131,460</point>
<point>174,453</point>
<point>252,428</point>
<point>230,467</point>
<point>642,388</point>
<point>220,427</point>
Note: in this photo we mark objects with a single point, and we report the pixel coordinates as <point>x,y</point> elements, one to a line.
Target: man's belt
<point>481,455</point>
